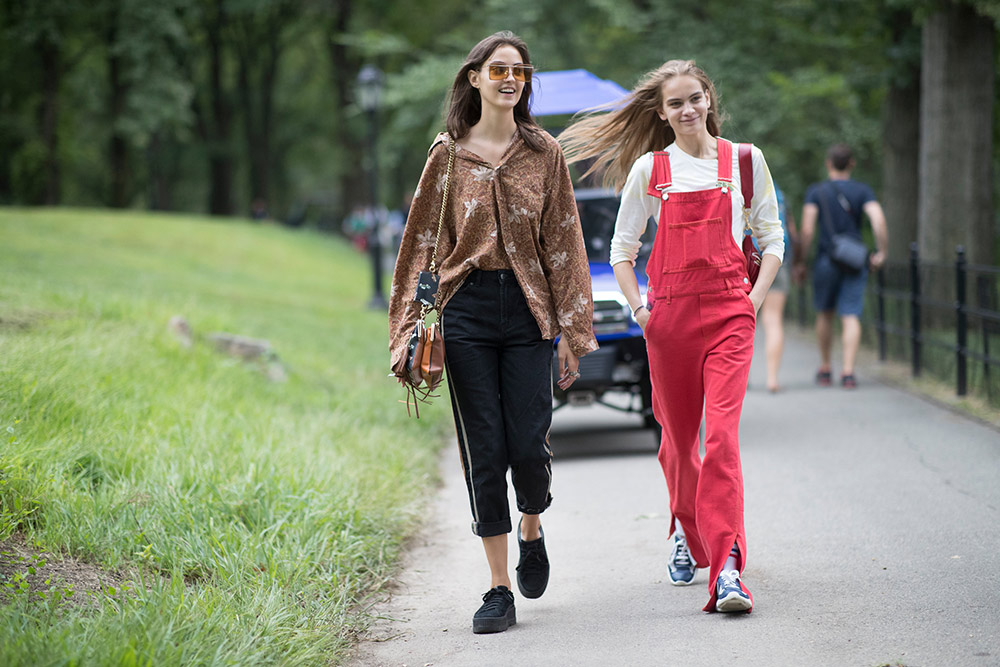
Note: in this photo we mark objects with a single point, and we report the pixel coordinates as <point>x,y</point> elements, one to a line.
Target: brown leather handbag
<point>425,356</point>
<point>424,368</point>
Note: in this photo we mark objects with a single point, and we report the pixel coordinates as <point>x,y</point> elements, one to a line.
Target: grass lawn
<point>226,518</point>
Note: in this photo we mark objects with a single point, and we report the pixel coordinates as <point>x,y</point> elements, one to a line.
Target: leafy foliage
<point>794,75</point>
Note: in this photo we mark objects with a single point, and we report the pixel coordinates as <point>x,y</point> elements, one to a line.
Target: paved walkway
<point>873,523</point>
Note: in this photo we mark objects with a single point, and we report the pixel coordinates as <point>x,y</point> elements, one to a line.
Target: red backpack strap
<point>659,180</point>
<point>746,179</point>
<point>725,160</point>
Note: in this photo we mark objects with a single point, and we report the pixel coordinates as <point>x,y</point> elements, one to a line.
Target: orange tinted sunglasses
<point>521,72</point>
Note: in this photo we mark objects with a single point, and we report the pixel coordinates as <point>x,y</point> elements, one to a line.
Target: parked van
<point>620,366</point>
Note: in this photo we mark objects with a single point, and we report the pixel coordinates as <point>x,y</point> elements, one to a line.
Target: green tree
<point>206,66</point>
<point>38,53</point>
<point>201,104</point>
<point>261,32</point>
<point>147,97</point>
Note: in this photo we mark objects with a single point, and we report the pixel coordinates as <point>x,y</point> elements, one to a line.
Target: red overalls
<point>699,338</point>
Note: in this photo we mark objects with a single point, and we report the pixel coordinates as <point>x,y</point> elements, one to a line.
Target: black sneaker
<point>497,612</point>
<point>533,566</point>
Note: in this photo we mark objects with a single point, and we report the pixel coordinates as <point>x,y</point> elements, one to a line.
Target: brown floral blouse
<point>520,215</point>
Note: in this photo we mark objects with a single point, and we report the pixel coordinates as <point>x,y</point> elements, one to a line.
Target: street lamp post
<point>369,98</point>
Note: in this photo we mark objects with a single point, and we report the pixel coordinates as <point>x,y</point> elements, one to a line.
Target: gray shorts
<point>783,280</point>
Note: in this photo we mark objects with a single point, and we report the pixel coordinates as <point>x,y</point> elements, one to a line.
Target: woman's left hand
<point>569,365</point>
<point>756,300</point>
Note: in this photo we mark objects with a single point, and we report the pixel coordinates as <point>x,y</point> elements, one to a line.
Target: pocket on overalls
<point>649,320</point>
<point>699,244</point>
<point>747,300</point>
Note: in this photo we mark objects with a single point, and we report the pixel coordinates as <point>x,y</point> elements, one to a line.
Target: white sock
<point>678,529</point>
<point>731,561</point>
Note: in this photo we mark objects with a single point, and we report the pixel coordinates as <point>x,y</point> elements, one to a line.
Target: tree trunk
<point>901,140</point>
<point>345,71</point>
<point>956,136</point>
<point>259,54</point>
<point>253,135</point>
<point>51,79</point>
<point>118,90</point>
<point>162,172</point>
<point>220,198</point>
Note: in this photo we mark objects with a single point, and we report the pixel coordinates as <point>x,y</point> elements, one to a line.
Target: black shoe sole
<point>482,626</point>
<point>530,593</point>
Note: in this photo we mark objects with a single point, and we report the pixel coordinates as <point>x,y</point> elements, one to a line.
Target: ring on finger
<point>574,374</point>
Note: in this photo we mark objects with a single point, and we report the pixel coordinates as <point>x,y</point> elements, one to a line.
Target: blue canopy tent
<point>570,91</point>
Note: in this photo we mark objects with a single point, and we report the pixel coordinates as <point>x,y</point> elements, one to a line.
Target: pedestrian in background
<point>772,313</point>
<point>700,311</point>
<point>837,204</point>
<point>513,277</point>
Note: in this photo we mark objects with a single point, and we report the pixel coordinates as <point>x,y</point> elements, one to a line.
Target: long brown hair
<point>613,140</point>
<point>465,106</point>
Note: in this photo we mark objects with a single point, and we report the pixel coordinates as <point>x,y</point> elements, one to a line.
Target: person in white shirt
<point>700,309</point>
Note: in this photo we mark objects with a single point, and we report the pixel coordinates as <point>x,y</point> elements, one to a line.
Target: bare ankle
<point>530,527</point>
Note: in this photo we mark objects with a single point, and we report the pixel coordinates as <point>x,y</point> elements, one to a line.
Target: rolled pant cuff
<point>491,529</point>
<point>535,510</point>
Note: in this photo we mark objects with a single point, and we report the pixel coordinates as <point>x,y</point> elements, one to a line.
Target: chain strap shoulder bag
<point>424,368</point>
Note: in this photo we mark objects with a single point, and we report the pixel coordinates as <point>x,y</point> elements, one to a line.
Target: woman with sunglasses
<point>513,277</point>
<point>700,311</point>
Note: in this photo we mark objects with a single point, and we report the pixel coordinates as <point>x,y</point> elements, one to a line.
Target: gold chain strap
<point>444,202</point>
<point>424,309</point>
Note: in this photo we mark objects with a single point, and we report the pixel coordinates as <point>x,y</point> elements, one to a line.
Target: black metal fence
<point>942,318</point>
<point>923,312</point>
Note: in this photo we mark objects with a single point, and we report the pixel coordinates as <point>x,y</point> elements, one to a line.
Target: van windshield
<point>597,218</point>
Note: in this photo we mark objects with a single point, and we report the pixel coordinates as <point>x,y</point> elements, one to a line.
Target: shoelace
<point>534,561</point>
<point>681,557</point>
<point>729,578</point>
<point>494,600</point>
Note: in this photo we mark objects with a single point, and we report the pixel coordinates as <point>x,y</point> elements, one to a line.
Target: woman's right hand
<point>642,316</point>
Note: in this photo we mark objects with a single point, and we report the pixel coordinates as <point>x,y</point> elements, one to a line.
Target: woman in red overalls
<point>700,309</point>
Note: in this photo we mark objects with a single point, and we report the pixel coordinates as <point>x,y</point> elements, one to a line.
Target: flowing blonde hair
<point>615,139</point>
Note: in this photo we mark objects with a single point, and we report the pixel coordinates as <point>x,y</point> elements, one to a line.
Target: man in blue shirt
<point>837,204</point>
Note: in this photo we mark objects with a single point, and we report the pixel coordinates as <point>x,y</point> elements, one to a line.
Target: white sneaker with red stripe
<point>680,567</point>
<point>729,594</point>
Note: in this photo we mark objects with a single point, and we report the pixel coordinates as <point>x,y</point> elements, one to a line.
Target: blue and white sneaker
<point>729,595</point>
<point>680,567</point>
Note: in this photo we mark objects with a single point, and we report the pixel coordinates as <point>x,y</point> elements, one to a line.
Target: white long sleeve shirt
<point>690,174</point>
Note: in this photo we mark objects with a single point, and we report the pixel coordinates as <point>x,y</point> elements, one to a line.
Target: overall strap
<point>746,181</point>
<point>660,179</point>
<point>725,149</point>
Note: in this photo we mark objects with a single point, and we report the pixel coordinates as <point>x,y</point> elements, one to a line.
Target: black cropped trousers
<point>500,381</point>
